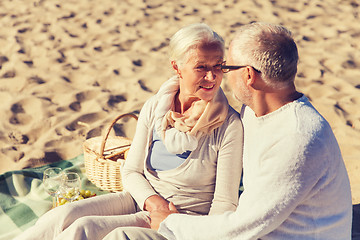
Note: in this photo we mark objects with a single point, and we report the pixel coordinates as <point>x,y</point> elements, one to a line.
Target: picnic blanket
<point>23,198</point>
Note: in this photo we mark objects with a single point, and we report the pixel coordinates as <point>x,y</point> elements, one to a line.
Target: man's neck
<point>267,102</point>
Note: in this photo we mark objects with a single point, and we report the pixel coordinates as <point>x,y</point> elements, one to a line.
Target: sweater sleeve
<point>133,173</point>
<point>229,166</point>
<point>281,185</point>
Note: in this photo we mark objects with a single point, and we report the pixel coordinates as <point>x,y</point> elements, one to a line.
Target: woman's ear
<point>176,68</point>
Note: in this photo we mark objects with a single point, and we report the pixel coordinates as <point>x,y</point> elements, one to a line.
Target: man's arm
<point>279,187</point>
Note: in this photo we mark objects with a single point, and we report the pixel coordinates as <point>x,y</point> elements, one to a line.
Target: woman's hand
<point>157,216</point>
<point>154,203</point>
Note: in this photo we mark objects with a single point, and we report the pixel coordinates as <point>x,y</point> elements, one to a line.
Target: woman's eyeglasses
<point>228,68</point>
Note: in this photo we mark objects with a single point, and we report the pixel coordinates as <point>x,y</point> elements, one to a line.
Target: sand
<point>67,68</point>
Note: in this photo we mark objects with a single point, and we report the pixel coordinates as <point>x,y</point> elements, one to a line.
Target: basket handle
<point>102,147</point>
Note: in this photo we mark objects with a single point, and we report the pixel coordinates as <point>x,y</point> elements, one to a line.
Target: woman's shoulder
<point>146,115</point>
<point>231,130</point>
<point>233,115</point>
<point>232,122</point>
<point>150,104</point>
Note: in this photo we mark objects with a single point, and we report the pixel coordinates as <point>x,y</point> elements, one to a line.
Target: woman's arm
<point>133,173</point>
<point>229,166</point>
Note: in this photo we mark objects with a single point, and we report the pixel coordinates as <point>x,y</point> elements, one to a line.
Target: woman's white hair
<point>190,37</point>
<point>268,48</point>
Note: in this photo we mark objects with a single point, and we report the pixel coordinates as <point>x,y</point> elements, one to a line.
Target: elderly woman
<point>187,150</point>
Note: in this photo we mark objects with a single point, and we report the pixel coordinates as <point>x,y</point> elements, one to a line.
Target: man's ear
<point>251,77</point>
<point>176,68</point>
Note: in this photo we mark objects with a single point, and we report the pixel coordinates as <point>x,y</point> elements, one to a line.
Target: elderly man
<point>296,184</point>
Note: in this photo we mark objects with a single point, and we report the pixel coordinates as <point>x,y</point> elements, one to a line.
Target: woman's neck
<point>183,103</point>
<point>177,102</point>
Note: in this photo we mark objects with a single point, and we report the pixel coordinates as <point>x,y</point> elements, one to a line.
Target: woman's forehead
<point>205,54</point>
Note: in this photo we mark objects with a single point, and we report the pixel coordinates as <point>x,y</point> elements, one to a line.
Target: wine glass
<point>52,181</point>
<point>70,186</point>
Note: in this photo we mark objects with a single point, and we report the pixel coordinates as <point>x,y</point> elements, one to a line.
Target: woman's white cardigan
<point>208,180</point>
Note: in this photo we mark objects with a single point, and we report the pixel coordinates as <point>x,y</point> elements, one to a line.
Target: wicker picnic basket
<point>103,166</point>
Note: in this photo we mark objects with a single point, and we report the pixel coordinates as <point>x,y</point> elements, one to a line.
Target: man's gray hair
<point>190,37</point>
<point>268,48</point>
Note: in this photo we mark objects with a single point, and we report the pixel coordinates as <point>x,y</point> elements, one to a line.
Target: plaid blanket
<point>23,198</point>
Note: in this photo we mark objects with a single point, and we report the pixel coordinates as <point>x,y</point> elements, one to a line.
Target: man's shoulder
<point>310,121</point>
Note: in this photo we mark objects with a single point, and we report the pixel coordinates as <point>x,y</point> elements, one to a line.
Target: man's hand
<point>157,216</point>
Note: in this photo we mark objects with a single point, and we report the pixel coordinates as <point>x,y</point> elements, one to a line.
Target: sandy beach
<point>69,67</point>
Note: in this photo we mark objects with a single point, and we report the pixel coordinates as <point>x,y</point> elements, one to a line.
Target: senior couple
<point>190,148</point>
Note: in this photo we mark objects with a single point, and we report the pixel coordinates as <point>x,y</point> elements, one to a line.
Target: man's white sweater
<point>296,184</point>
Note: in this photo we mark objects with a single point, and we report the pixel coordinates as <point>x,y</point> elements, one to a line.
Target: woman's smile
<point>207,87</point>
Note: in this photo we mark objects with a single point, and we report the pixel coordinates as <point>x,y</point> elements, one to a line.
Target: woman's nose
<point>210,75</point>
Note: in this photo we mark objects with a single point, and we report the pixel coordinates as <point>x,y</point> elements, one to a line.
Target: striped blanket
<point>23,199</point>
